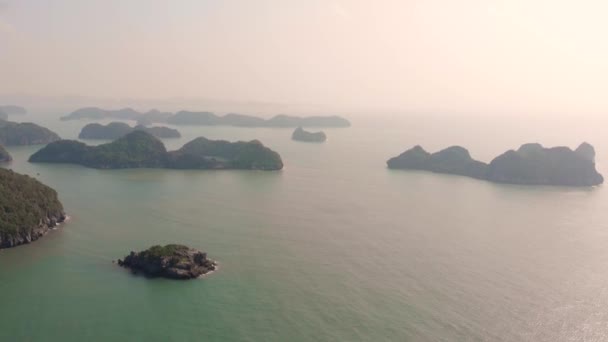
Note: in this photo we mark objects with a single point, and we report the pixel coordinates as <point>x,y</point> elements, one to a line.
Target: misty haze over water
<point>335,246</point>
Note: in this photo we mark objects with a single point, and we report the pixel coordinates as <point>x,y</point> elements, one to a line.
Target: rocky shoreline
<point>170,261</point>
<point>28,209</point>
<point>27,236</point>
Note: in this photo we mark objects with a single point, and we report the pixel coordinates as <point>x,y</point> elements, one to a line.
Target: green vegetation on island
<point>140,149</point>
<point>27,133</point>
<point>531,164</point>
<point>28,209</point>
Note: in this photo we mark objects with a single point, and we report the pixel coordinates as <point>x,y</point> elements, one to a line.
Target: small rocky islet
<point>531,164</point>
<point>169,261</point>
<point>299,134</point>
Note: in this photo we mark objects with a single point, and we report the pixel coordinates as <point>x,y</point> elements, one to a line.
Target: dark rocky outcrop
<point>301,135</point>
<point>27,133</point>
<point>205,118</point>
<point>140,149</point>
<point>535,165</point>
<point>531,164</point>
<point>28,209</point>
<point>4,155</point>
<point>115,130</point>
<point>170,261</point>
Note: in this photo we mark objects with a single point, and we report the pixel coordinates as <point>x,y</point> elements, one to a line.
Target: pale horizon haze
<point>490,56</point>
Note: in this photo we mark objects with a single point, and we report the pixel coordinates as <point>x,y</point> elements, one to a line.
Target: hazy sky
<point>464,55</point>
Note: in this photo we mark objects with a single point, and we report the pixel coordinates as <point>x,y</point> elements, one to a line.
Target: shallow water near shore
<point>335,247</point>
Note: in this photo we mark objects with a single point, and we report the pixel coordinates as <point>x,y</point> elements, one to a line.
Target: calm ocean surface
<point>335,247</point>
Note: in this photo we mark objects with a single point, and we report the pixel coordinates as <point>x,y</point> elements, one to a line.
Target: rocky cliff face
<point>170,261</point>
<point>31,234</point>
<point>28,209</point>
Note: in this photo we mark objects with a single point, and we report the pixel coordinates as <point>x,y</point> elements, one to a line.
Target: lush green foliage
<point>238,155</point>
<point>24,202</point>
<point>163,251</point>
<point>140,149</point>
<point>136,149</point>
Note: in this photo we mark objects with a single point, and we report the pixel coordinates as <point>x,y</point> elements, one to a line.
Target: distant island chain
<point>205,118</point>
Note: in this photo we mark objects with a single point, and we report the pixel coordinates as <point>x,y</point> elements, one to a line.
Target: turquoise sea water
<point>335,247</point>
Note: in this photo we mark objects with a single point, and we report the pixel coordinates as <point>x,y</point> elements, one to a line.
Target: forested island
<point>170,261</point>
<point>206,118</point>
<point>301,135</point>
<point>531,164</point>
<point>28,209</point>
<point>140,149</point>
<point>27,133</point>
<point>115,130</point>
